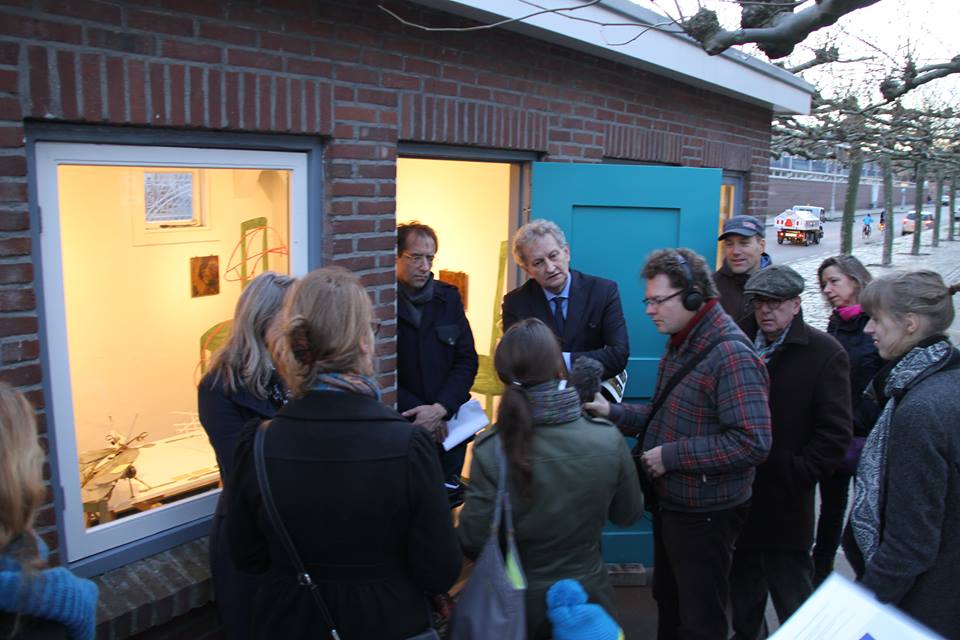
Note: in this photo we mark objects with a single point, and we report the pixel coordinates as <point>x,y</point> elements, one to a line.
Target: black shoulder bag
<point>650,499</point>
<point>303,577</point>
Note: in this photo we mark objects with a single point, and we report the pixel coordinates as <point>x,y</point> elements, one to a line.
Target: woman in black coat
<point>357,486</point>
<point>240,385</point>
<point>842,278</point>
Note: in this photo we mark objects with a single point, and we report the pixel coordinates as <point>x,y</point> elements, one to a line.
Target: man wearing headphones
<point>701,438</point>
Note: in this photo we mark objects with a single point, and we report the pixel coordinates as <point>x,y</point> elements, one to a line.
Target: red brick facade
<point>345,71</point>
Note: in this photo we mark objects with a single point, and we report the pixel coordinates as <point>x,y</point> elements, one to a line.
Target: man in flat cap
<point>743,255</point>
<point>810,414</point>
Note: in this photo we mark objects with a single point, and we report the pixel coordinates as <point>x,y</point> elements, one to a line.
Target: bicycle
<point>865,231</point>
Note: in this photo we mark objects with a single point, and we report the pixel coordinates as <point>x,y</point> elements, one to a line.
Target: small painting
<point>204,276</point>
<point>460,280</point>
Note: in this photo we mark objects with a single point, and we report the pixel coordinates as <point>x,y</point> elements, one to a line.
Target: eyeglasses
<point>417,258</point>
<point>656,302</point>
<point>772,305</point>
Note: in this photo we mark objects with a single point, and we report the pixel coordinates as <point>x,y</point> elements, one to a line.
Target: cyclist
<point>867,225</point>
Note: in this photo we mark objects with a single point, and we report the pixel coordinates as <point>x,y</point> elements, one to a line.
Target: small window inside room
<point>145,252</point>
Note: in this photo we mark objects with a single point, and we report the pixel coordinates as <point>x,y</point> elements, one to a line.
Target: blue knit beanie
<point>574,618</point>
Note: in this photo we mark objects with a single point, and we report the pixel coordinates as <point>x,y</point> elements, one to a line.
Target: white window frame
<point>78,542</point>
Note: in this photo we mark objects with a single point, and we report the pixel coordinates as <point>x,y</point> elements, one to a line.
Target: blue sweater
<point>50,594</point>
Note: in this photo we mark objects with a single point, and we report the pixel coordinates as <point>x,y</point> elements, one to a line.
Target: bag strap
<point>503,494</point>
<point>303,577</point>
<point>678,377</point>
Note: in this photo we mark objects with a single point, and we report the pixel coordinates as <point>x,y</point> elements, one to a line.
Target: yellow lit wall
<point>133,330</point>
<point>468,204</point>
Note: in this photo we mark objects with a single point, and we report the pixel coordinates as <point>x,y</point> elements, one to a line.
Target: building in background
<point>155,156</point>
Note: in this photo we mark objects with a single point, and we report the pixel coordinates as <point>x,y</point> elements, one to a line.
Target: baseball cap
<point>742,226</point>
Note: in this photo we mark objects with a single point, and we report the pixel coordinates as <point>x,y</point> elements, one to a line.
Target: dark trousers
<point>692,556</point>
<point>451,462</point>
<point>833,506</point>
<point>784,575</point>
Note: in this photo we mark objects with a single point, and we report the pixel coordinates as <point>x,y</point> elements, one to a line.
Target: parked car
<point>909,222</point>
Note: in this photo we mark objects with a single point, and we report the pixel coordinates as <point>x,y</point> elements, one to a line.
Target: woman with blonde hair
<point>903,536</point>
<point>241,385</point>
<point>358,487</point>
<point>567,474</point>
<point>34,601</point>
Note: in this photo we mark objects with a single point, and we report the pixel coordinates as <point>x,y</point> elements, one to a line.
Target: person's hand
<point>653,462</point>
<point>430,417</point>
<point>599,406</point>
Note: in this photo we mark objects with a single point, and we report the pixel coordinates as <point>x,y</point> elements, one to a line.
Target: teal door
<point>613,217</point>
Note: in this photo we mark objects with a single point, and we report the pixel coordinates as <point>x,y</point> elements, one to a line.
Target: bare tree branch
<point>782,30</point>
<point>823,55</point>
<point>891,88</point>
<point>492,25</point>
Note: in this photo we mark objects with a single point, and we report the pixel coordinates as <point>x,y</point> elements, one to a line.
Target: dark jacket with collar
<point>436,362</point>
<point>732,299</point>
<point>810,414</point>
<point>223,416</point>
<point>360,491</point>
<point>917,565</point>
<point>865,362</point>
<point>594,325</point>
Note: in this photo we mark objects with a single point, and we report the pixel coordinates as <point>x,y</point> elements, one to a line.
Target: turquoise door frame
<point>613,217</point>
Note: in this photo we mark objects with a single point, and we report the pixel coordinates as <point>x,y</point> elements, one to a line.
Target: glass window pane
<point>146,304</point>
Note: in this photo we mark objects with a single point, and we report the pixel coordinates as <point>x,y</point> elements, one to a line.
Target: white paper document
<point>843,610</point>
<point>469,419</point>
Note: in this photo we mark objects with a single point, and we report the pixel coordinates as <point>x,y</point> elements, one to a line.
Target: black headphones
<point>690,297</point>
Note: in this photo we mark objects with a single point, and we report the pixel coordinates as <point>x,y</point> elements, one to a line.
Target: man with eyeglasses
<point>744,253</point>
<point>810,412</point>
<point>436,358</point>
<point>584,311</point>
<point>700,445</point>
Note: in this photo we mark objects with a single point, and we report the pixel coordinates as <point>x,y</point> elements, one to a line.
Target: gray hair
<point>532,231</point>
<point>244,362</point>
<point>664,261</point>
<point>921,292</point>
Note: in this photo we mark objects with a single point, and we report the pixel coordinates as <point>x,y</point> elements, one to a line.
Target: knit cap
<point>574,618</point>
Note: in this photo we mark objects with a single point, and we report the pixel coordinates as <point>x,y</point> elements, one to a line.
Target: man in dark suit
<point>584,311</point>
<point>436,358</point>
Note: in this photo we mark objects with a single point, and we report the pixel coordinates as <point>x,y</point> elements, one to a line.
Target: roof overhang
<point>664,50</point>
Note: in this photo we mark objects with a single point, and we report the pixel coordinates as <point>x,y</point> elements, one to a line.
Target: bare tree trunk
<point>918,209</point>
<point>850,205</point>
<point>936,210</point>
<point>953,207</point>
<point>888,209</point>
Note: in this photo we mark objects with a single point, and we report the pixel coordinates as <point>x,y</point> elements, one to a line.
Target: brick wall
<point>345,71</point>
<point>785,193</point>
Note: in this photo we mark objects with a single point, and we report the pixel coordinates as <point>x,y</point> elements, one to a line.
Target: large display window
<point>145,252</point>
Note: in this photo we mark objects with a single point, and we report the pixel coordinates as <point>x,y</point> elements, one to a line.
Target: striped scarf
<point>866,515</point>
<point>347,382</point>
<point>553,402</point>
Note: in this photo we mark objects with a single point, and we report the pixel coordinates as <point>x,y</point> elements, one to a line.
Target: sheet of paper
<point>469,419</point>
<point>843,610</point>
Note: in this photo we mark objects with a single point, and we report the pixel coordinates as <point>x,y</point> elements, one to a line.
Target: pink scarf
<point>849,313</point>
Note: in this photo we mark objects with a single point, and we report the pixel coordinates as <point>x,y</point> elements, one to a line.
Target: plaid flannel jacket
<point>715,425</point>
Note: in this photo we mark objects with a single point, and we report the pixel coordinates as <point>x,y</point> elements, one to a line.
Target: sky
<point>885,32</point>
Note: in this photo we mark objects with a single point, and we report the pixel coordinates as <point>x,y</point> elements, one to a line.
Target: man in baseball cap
<point>810,417</point>
<point>743,252</point>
